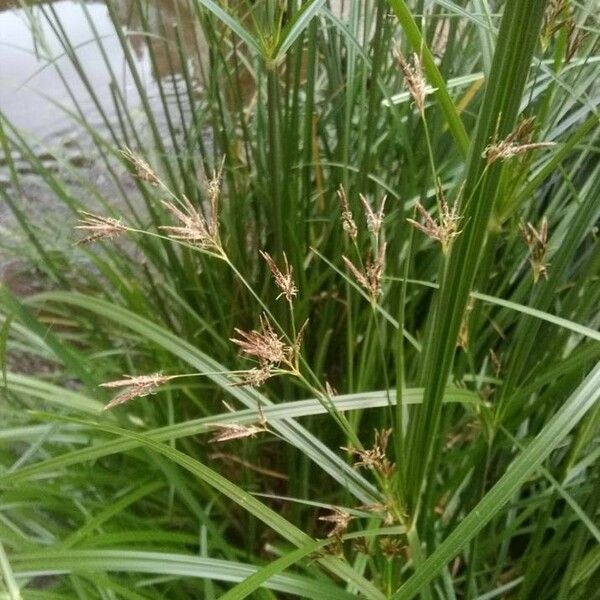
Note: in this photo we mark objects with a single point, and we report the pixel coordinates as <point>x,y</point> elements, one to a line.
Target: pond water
<point>31,85</point>
<point>67,68</point>
<point>39,82</point>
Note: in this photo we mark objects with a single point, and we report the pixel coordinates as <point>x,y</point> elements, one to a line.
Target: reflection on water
<point>65,72</point>
<point>174,23</point>
<point>37,77</point>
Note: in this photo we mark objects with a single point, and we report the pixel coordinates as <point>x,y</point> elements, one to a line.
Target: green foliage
<point>428,370</point>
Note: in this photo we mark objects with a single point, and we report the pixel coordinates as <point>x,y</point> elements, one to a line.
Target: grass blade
<point>555,431</point>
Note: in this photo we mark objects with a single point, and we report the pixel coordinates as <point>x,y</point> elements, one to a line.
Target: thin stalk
<point>517,39</point>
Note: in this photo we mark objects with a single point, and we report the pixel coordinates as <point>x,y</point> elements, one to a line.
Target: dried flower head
<point>390,547</point>
<point>537,241</point>
<point>263,345</point>
<point>295,352</point>
<point>370,278</point>
<point>142,168</point>
<point>375,458</point>
<point>136,387</point>
<point>348,224</point>
<point>340,519</point>
<point>226,432</point>
<point>234,431</point>
<point>100,228</point>
<point>213,186</point>
<point>575,39</point>
<point>255,377</point>
<point>516,143</point>
<point>384,511</point>
<point>283,279</point>
<point>414,78</point>
<point>194,228</point>
<point>361,545</point>
<point>374,219</point>
<point>443,231</point>
<point>554,18</point>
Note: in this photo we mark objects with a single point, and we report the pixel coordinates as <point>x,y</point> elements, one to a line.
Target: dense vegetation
<point>344,293</point>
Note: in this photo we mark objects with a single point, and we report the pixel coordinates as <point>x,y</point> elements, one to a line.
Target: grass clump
<point>355,295</point>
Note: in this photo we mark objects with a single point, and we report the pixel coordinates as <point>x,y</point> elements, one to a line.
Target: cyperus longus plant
<point>330,329</point>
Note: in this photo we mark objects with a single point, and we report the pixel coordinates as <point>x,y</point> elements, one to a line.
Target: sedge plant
<point>331,330</point>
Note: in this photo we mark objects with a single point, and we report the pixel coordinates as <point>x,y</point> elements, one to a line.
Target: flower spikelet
<point>374,219</point>
<point>537,241</point>
<point>296,346</point>
<point>370,277</point>
<point>390,547</point>
<point>340,519</point>
<point>283,279</point>
<point>516,143</point>
<point>234,431</point>
<point>136,387</point>
<point>575,39</point>
<point>414,78</point>
<point>255,377</point>
<point>348,223</point>
<point>375,458</point>
<point>263,345</point>
<point>554,18</point>
<point>142,168</point>
<point>385,511</point>
<point>445,229</point>
<point>213,187</point>
<point>100,228</point>
<point>194,228</point>
<point>231,431</point>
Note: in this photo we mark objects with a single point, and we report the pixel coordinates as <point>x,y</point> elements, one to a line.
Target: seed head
<point>443,231</point>
<point>194,228</point>
<point>374,219</point>
<point>213,188</point>
<point>100,228</point>
<point>348,224</point>
<point>414,78</point>
<point>136,387</point>
<point>575,39</point>
<point>390,547</point>
<point>230,431</point>
<point>340,519</point>
<point>515,144</point>
<point>385,511</point>
<point>234,431</point>
<point>554,18</point>
<point>375,458</point>
<point>370,278</point>
<point>255,377</point>
<point>361,545</point>
<point>142,168</point>
<point>264,345</point>
<point>284,280</point>
<point>537,241</point>
<point>496,362</point>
